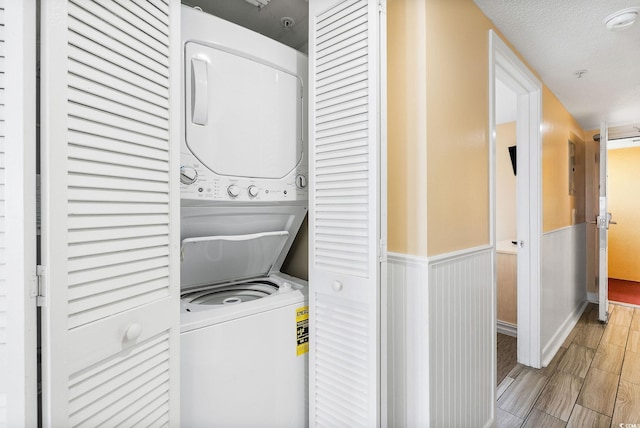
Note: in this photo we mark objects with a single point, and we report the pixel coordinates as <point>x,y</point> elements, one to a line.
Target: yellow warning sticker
<point>302,324</point>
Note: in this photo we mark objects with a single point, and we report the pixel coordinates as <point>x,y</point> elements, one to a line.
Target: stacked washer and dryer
<point>244,334</point>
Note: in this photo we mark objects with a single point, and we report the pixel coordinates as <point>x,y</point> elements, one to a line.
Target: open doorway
<point>506,229</point>
<point>508,69</point>
<point>624,234</point>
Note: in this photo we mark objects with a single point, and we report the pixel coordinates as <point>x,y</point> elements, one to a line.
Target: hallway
<point>593,381</point>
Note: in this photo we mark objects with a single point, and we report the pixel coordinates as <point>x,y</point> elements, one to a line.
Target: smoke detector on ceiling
<point>621,19</point>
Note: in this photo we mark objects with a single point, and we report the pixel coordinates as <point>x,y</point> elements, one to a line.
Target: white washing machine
<point>244,325</point>
<point>244,334</point>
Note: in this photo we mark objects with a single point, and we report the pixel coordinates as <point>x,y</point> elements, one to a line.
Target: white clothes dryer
<point>244,325</point>
<point>244,127</point>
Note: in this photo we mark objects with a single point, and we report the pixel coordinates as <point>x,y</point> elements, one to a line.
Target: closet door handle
<point>199,92</point>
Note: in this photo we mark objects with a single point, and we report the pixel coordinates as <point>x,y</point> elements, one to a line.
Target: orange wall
<point>457,136</point>
<point>624,204</point>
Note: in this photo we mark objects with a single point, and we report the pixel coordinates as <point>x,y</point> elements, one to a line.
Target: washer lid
<point>216,259</point>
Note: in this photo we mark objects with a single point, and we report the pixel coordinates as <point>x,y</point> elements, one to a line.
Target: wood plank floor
<point>593,381</point>
<point>507,356</point>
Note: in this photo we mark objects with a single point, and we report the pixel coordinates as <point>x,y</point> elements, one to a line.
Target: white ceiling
<point>556,37</point>
<point>266,20</point>
<point>559,37</point>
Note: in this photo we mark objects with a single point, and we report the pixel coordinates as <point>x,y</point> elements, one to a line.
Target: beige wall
<point>624,204</point>
<point>456,120</point>
<point>506,225</point>
<point>407,195</point>
<point>558,127</point>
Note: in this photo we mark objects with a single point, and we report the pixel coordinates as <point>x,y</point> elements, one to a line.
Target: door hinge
<point>40,285</point>
<point>382,251</point>
<point>381,6</point>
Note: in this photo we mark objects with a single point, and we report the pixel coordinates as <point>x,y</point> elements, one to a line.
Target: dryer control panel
<point>197,182</point>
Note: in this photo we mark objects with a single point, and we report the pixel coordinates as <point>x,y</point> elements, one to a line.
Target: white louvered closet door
<point>347,157</point>
<point>110,88</point>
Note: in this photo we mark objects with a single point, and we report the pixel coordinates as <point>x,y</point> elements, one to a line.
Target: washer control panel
<point>197,182</point>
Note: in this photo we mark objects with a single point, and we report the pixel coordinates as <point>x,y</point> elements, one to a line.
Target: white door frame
<point>20,220</point>
<point>508,68</point>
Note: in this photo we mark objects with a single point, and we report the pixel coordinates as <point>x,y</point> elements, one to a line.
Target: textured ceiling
<point>560,37</point>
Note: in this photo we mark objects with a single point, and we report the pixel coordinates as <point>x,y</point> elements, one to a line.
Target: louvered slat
<point>125,103</point>
<point>341,366</point>
<point>119,386</point>
<point>118,143</point>
<point>97,208</point>
<point>116,258</point>
<point>106,131</point>
<point>111,233</point>
<point>101,142</point>
<point>102,70</point>
<point>87,48</point>
<point>105,31</point>
<point>127,244</point>
<point>139,90</point>
<point>99,182</point>
<point>123,12</point>
<point>345,130</point>
<point>156,16</point>
<point>80,110</point>
<point>109,284</point>
<point>91,154</point>
<point>100,221</point>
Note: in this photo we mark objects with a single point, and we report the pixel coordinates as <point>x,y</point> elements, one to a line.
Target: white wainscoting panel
<point>408,328</point>
<point>462,339</point>
<point>563,285</point>
<point>441,360</point>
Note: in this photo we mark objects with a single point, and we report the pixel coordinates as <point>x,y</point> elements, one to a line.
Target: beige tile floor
<point>593,381</point>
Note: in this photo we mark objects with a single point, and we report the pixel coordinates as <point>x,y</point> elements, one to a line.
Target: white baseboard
<point>593,297</point>
<point>563,332</point>
<point>507,328</point>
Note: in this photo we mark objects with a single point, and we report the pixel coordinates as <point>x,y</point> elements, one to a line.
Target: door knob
<point>133,332</point>
<point>336,285</point>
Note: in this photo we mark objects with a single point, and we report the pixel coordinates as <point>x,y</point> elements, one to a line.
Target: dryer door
<point>239,114</point>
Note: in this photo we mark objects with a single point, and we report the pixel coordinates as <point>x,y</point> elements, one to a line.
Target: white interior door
<point>18,323</point>
<point>110,204</point>
<point>347,158</point>
<point>603,221</point>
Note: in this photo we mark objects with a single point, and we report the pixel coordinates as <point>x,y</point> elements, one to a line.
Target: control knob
<point>188,175</point>
<point>233,191</point>
<point>253,191</point>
